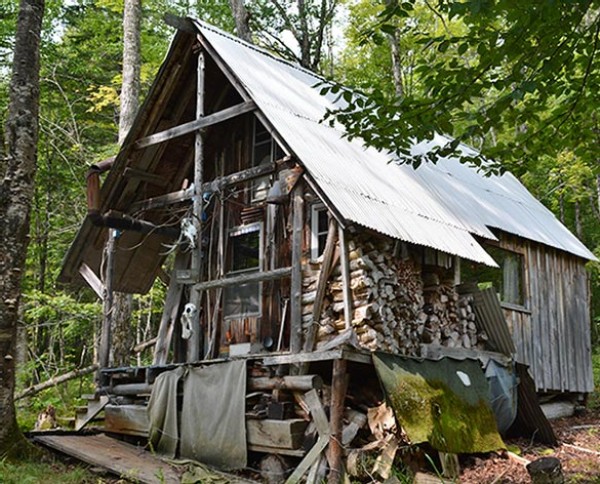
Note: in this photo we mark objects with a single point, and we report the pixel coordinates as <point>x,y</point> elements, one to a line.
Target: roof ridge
<point>261,50</point>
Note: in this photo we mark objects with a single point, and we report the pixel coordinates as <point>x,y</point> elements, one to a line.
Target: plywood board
<point>118,457</point>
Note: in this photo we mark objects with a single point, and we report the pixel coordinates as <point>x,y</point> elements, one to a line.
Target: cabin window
<point>507,279</point>
<point>265,150</point>
<point>319,228</point>
<point>244,245</point>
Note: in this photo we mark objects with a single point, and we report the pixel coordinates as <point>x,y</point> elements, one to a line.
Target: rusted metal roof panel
<point>437,205</point>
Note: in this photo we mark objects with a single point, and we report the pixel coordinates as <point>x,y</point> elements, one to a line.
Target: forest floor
<point>578,452</point>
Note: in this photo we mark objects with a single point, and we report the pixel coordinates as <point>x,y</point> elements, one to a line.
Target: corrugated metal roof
<point>437,206</point>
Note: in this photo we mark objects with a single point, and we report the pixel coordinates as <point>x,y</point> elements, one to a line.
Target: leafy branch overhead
<point>516,79</point>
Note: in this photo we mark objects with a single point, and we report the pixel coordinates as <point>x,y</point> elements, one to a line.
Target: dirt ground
<point>579,453</point>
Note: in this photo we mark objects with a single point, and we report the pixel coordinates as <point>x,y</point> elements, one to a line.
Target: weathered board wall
<point>552,331</point>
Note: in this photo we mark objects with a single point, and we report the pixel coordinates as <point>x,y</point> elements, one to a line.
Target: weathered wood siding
<point>552,332</point>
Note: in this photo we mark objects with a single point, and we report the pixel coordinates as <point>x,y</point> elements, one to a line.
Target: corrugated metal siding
<point>491,318</point>
<point>435,206</point>
<point>554,339</point>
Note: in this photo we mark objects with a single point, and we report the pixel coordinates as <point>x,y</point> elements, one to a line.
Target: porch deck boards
<point>118,457</point>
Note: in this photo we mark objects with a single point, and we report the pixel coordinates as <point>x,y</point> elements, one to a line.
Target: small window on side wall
<point>244,247</point>
<point>265,150</point>
<point>507,279</point>
<point>319,222</point>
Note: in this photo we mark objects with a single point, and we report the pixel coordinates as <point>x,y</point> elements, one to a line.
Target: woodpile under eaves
<point>396,306</point>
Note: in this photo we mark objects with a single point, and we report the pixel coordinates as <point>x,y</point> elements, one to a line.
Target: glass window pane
<point>245,251</point>
<point>242,300</point>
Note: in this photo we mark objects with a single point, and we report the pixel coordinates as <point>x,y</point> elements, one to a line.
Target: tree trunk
<point>120,309</point>
<point>242,20</point>
<point>16,194</point>
<point>578,225</point>
<point>394,41</point>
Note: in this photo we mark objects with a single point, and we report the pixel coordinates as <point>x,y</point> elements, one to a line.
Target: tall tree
<point>118,307</point>
<point>307,21</point>
<point>16,193</point>
<point>242,20</point>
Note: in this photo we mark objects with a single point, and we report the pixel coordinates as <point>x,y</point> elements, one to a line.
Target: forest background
<point>517,80</point>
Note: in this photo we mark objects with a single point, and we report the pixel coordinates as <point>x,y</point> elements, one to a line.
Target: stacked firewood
<point>394,307</point>
<point>449,319</point>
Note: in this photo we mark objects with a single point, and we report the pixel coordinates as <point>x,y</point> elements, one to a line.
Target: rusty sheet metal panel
<point>435,206</point>
<point>491,319</point>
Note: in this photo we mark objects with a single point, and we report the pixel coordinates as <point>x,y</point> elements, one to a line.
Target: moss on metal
<point>451,416</point>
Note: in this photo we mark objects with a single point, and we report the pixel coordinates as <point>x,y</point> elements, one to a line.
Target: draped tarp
<point>213,425</point>
<point>443,402</point>
<point>162,413</point>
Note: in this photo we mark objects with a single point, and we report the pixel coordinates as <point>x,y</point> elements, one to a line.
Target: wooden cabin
<point>292,247</point>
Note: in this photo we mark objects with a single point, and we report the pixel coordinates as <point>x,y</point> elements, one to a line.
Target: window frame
<point>236,231</point>
<point>523,279</point>
<point>315,209</point>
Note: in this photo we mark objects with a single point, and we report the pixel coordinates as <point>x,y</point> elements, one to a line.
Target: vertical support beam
<point>345,263</point>
<point>324,273</point>
<point>170,310</point>
<point>193,346</point>
<point>338,396</point>
<point>107,306</point>
<point>296,283</point>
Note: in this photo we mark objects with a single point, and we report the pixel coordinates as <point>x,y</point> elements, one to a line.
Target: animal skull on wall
<point>190,313</point>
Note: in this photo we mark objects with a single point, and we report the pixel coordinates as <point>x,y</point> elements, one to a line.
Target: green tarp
<point>442,402</point>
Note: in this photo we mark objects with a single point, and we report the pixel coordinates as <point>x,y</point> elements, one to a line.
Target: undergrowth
<point>594,398</point>
<point>28,472</point>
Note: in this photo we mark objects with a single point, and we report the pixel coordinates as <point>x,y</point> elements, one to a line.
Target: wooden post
<point>296,282</point>
<point>193,345</point>
<point>338,396</point>
<point>345,263</point>
<point>107,306</point>
<point>324,274</point>
<point>170,310</point>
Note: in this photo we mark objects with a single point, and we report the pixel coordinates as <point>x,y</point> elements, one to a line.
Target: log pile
<point>449,318</point>
<point>395,308</point>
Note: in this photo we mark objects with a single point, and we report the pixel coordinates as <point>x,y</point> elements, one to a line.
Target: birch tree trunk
<point>16,193</point>
<point>394,41</point>
<point>121,304</point>
<point>242,20</point>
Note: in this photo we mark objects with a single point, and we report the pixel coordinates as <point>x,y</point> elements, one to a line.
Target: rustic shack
<point>299,252</point>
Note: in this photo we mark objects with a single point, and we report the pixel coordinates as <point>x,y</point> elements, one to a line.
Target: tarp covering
<point>162,413</point>
<point>443,402</point>
<point>213,425</point>
<point>503,393</point>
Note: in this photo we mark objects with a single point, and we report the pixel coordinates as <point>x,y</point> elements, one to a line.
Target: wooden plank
<point>243,278</point>
<point>313,402</point>
<point>93,408</point>
<point>345,264</point>
<point>126,419</point>
<point>286,434</point>
<point>197,124</point>
<point>145,176</point>
<point>308,460</point>
<point>324,273</point>
<point>291,359</point>
<point>296,282</point>
<point>210,186</point>
<point>122,459</point>
<point>162,200</point>
<point>170,310</point>
<point>92,279</point>
<point>276,450</point>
